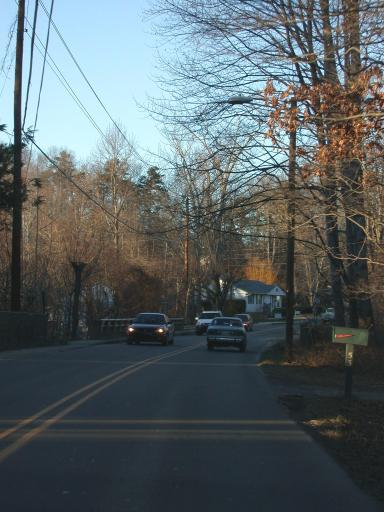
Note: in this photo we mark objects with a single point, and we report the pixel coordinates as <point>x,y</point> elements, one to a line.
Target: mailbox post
<point>350,337</point>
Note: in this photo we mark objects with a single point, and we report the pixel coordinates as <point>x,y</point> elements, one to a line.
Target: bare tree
<point>325,54</point>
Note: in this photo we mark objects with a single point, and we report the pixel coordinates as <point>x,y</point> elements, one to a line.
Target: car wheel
<point>242,347</point>
<point>129,342</point>
<point>171,341</point>
<point>209,346</point>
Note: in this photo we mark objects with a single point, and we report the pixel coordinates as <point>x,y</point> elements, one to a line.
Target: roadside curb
<point>78,344</point>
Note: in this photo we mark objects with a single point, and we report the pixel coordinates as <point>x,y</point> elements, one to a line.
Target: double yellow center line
<point>83,395</point>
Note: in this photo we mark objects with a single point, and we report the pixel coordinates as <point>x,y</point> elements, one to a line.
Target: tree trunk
<point>352,173</point>
<point>356,239</point>
<point>334,254</point>
<point>330,184</point>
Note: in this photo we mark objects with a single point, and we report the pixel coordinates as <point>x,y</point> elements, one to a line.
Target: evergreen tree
<point>6,171</point>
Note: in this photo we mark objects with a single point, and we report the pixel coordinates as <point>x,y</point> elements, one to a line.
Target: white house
<point>258,296</point>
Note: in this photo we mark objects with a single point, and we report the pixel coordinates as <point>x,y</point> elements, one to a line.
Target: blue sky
<point>113,46</point>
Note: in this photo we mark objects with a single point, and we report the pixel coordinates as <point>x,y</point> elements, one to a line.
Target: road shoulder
<point>351,431</point>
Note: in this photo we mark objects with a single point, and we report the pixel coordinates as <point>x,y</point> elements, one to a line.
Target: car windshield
<point>242,317</point>
<point>149,318</point>
<point>208,315</point>
<point>230,322</point>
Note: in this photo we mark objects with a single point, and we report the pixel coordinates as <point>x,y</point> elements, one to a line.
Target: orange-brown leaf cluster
<point>347,120</point>
<point>260,270</point>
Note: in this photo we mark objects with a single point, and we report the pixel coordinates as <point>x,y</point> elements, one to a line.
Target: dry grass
<point>366,359</point>
<point>323,365</point>
<point>351,431</point>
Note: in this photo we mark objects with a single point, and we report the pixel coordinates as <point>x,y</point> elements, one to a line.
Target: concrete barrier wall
<point>20,330</point>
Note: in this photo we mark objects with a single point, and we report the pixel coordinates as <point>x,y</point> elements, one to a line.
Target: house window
<point>259,299</point>
<point>251,299</point>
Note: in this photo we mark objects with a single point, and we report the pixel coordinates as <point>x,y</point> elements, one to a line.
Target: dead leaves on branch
<point>347,121</point>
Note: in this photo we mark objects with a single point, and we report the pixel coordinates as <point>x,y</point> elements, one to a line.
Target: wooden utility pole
<point>290,272</point>
<point>17,182</point>
<point>78,267</point>
<point>186,260</point>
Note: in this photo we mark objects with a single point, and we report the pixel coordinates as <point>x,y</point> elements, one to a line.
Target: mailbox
<point>350,336</point>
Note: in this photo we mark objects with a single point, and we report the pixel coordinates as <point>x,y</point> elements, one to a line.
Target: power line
<point>54,67</point>
<point>2,70</point>
<point>10,37</point>
<point>64,82</point>
<point>79,188</point>
<point>92,199</point>
<point>42,72</point>
<point>87,113</point>
<point>88,82</point>
<point>31,59</point>
<point>180,227</point>
<point>44,62</point>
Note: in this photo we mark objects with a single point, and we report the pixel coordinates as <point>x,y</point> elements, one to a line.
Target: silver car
<point>328,315</point>
<point>204,320</point>
<point>227,331</point>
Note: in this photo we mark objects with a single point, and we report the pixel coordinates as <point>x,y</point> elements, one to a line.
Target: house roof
<point>257,287</point>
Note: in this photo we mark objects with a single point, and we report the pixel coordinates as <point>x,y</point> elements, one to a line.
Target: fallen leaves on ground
<point>352,431</point>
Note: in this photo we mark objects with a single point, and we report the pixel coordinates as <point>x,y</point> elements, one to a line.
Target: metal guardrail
<point>119,325</point>
<point>114,325</point>
<point>179,323</point>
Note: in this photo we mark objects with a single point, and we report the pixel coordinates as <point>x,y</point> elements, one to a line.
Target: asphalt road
<point>147,428</point>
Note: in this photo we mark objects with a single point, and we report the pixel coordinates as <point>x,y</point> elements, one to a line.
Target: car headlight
<point>160,330</point>
<point>131,329</point>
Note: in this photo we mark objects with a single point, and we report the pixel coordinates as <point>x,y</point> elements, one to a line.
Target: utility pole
<point>186,260</point>
<point>290,275</point>
<point>291,210</point>
<point>17,182</point>
<point>78,267</point>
